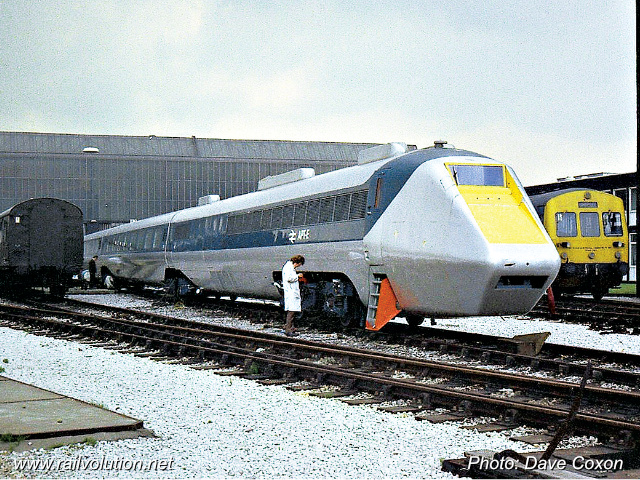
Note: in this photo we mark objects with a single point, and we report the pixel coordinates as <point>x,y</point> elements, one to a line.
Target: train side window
<point>589,224</point>
<point>165,235</point>
<point>566,225</point>
<point>156,238</point>
<point>327,206</point>
<point>376,202</point>
<point>181,236</point>
<point>612,223</point>
<point>265,222</point>
<point>276,217</point>
<point>313,212</point>
<point>148,239</point>
<point>300,214</point>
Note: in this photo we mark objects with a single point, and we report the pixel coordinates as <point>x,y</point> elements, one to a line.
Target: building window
<point>633,203</point>
<point>622,194</point>
<point>633,251</point>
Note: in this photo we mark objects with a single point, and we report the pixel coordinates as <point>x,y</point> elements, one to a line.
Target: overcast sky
<point>546,86</point>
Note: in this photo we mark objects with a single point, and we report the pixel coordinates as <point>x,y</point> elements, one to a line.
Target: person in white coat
<point>291,287</point>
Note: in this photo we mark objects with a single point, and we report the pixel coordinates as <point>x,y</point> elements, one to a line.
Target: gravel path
<point>223,427</point>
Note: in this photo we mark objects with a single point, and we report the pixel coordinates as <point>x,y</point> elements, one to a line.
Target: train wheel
<point>599,292</point>
<point>346,321</point>
<point>57,291</point>
<point>414,320</point>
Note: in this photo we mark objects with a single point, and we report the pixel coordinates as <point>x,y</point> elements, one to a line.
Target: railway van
<point>40,245</point>
<point>589,230</point>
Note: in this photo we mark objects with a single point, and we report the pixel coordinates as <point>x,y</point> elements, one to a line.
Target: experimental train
<point>41,245</point>
<point>589,230</point>
<point>430,232</point>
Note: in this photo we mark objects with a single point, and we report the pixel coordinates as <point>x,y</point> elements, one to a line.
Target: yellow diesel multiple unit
<point>589,230</point>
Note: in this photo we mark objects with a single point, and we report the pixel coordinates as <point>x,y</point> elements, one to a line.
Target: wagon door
<point>46,242</point>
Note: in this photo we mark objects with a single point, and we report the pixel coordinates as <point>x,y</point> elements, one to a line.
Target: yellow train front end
<point>589,230</point>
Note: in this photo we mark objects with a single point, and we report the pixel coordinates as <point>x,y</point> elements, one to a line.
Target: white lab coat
<point>291,287</point>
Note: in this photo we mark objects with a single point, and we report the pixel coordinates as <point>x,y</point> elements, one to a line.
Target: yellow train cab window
<point>484,175</point>
<point>566,225</point>
<point>589,224</point>
<point>612,223</point>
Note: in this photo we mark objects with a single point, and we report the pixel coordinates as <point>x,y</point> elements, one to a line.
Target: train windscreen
<point>566,225</point>
<point>589,224</point>
<point>612,222</point>
<point>484,175</point>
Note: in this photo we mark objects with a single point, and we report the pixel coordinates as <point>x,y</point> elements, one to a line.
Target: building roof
<point>600,181</point>
<point>120,145</point>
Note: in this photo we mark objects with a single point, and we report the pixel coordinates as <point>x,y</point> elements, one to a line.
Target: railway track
<point>607,316</point>
<point>552,360</point>
<point>359,376</point>
<point>497,352</point>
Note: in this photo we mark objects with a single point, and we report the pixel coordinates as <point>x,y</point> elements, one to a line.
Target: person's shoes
<point>291,334</point>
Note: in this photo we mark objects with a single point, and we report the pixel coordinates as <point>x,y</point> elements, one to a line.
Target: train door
<point>373,249</point>
<point>46,232</point>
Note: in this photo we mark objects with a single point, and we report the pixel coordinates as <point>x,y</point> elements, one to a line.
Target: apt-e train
<point>431,232</point>
<point>589,230</point>
<point>40,245</point>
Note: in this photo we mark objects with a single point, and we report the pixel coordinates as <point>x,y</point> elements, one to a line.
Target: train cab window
<point>566,225</point>
<point>483,175</point>
<point>589,224</point>
<point>612,223</point>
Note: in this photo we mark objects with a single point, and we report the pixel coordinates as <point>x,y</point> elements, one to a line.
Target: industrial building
<point>115,179</point>
<point>623,185</point>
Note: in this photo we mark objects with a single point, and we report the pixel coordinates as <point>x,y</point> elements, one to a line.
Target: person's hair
<point>297,259</point>
<point>95,256</point>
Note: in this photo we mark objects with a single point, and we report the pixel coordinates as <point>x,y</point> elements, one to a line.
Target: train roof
<point>176,147</point>
<point>33,201</point>
<point>543,198</point>
<point>333,181</point>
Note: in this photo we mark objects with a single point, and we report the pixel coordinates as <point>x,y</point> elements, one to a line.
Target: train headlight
<point>618,244</point>
<point>618,255</point>
<point>592,255</point>
<point>565,244</point>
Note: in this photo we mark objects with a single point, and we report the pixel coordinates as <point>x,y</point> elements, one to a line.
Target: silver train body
<point>437,231</point>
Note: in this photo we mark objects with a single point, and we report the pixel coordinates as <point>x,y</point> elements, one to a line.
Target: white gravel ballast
<point>214,426</point>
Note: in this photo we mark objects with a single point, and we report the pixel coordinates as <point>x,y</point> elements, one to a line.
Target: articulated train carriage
<point>40,245</point>
<point>589,230</point>
<point>437,231</point>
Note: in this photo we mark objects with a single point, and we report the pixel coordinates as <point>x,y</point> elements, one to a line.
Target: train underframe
<point>20,280</point>
<point>593,278</point>
<point>329,295</point>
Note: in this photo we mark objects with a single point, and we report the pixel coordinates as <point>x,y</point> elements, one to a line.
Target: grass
<point>627,289</point>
